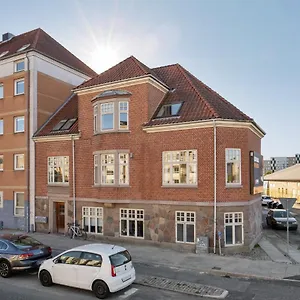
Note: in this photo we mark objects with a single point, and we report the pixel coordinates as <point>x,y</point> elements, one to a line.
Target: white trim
<point>2,86</point>
<point>184,223</point>
<point>56,138</point>
<point>16,81</point>
<point>2,156</point>
<point>232,184</point>
<point>2,122</point>
<point>127,219</point>
<point>206,124</point>
<point>1,199</point>
<point>119,115</point>
<point>15,204</point>
<point>233,224</point>
<point>15,162</point>
<point>121,84</point>
<point>15,124</point>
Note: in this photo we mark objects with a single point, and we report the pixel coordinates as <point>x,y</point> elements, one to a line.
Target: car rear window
<point>120,258</point>
<point>24,241</point>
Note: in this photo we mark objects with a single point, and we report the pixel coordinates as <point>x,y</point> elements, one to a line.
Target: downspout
<point>73,165</point>
<point>215,185</point>
<point>28,143</point>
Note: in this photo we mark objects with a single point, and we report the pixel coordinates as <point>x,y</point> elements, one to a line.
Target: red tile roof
<point>42,42</point>
<point>68,110</point>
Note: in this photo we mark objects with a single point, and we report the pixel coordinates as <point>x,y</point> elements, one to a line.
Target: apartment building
<point>279,163</point>
<point>150,155</point>
<point>36,76</point>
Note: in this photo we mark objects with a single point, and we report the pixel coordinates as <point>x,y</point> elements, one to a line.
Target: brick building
<point>36,76</point>
<point>142,145</point>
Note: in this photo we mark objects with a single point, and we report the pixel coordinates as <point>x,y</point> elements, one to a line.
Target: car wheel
<point>5,269</point>
<point>45,278</point>
<point>100,289</point>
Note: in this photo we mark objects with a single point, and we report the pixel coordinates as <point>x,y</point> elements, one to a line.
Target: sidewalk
<point>207,263</point>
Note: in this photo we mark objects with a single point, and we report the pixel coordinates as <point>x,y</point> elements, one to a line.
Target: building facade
<point>279,163</point>
<point>132,156</point>
<point>36,76</point>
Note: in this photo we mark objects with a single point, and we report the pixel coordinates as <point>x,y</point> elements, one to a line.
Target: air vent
<point>7,36</point>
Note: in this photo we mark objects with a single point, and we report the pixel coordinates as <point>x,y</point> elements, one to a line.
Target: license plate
<point>126,278</point>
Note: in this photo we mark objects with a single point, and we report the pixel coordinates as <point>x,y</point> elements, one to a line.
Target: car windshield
<point>24,241</point>
<point>120,258</point>
<point>281,214</point>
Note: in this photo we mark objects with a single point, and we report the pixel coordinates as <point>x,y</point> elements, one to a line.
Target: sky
<point>247,51</point>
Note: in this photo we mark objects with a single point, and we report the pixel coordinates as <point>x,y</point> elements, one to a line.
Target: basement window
<point>169,110</point>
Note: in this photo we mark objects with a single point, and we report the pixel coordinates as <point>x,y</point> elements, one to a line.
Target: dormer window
<point>24,47</point>
<point>64,125</point>
<point>3,53</point>
<point>169,110</point>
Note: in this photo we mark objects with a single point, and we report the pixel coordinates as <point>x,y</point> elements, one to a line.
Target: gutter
<point>74,189</point>
<point>215,185</point>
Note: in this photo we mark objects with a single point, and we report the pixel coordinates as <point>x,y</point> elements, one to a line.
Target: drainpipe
<point>73,165</point>
<point>215,185</point>
<point>28,144</point>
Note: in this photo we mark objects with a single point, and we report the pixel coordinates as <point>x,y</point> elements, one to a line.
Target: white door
<point>88,269</point>
<point>65,268</point>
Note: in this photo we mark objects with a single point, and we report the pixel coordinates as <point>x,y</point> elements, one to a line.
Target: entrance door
<point>60,216</point>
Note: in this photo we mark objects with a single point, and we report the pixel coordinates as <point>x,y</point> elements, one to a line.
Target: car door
<point>88,269</point>
<point>64,270</point>
<point>269,217</point>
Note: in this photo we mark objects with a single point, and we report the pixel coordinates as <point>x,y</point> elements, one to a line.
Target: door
<point>64,270</point>
<point>60,216</point>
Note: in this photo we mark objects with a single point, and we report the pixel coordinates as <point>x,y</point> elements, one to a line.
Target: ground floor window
<point>185,226</point>
<point>132,222</point>
<point>93,219</point>
<point>19,204</point>
<point>234,228</point>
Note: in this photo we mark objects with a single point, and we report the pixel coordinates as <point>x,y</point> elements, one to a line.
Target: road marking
<point>129,293</point>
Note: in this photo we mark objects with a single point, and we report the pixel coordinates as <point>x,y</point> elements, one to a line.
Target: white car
<point>102,268</point>
<point>265,200</point>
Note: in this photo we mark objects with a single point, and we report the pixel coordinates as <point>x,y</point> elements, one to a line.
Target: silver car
<point>277,218</point>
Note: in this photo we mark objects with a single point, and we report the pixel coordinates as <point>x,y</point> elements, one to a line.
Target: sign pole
<point>287,227</point>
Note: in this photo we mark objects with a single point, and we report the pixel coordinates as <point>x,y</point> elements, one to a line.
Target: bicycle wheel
<point>70,232</point>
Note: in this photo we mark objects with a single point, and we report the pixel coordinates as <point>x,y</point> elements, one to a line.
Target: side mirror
<point>57,261</point>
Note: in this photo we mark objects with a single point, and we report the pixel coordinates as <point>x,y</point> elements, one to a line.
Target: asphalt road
<point>26,286</point>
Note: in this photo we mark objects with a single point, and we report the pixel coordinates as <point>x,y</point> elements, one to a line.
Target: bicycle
<point>76,230</point>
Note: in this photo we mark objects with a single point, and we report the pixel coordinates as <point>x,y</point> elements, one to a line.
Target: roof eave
<point>56,138</point>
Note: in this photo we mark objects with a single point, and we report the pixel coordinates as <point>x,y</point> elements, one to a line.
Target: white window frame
<point>123,111</point>
<point>105,113</point>
<point>233,224</point>
<point>117,168</point>
<point>2,168</point>
<point>139,215</point>
<point>2,126</point>
<point>181,217</point>
<point>16,65</point>
<point>172,162</point>
<point>240,167</point>
<point>2,87</point>
<point>50,166</point>
<point>98,216</point>
<point>18,207</point>
<point>16,168</point>
<point>1,199</point>
<point>15,124</point>
<point>16,84</point>
<point>96,119</point>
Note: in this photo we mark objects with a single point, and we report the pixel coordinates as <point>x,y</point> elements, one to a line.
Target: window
<point>19,87</point>
<point>185,227</point>
<point>3,53</point>
<point>107,116</point>
<point>233,166</point>
<point>19,66</point>
<point>132,222</point>
<point>1,162</point>
<point>111,169</point>
<point>123,115</point>
<point>180,167</point>
<point>169,110</point>
<point>1,200</point>
<point>1,126</point>
<point>90,260</point>
<point>59,125</point>
<point>120,258</point>
<point>234,228</point>
<point>93,219</point>
<point>68,124</point>
<point>3,246</point>
<point>58,169</point>
<point>70,258</point>
<point>111,116</point>
<point>19,204</point>
<point>24,47</point>
<point>19,124</point>
<point>1,91</point>
<point>19,162</point>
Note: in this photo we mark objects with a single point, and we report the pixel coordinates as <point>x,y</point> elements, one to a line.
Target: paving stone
<point>182,286</point>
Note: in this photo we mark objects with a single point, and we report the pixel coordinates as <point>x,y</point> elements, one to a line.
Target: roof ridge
<point>166,66</point>
<point>183,71</point>
<point>221,97</point>
<point>139,64</point>
<point>36,37</point>
<point>55,113</point>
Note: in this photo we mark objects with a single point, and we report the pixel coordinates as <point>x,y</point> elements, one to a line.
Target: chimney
<point>7,36</point>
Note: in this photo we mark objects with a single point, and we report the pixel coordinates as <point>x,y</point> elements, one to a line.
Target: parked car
<point>21,252</point>
<point>277,218</point>
<point>265,200</point>
<point>101,268</point>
